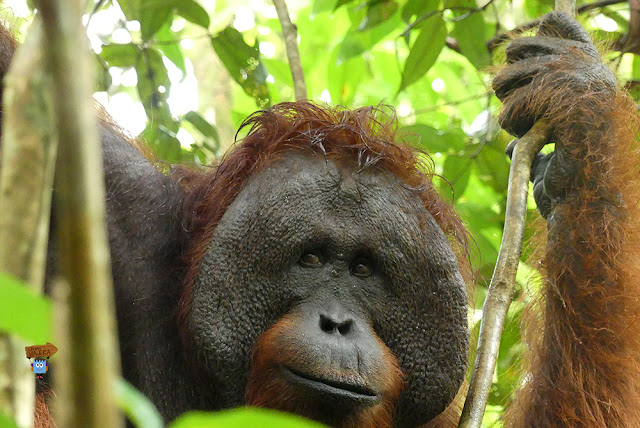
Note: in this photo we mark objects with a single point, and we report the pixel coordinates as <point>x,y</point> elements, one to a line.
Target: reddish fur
<point>584,370</point>
<point>267,388</point>
<point>42,416</point>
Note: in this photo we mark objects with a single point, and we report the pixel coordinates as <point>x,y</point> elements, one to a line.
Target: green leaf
<point>344,77</point>
<point>457,171</point>
<point>120,55</point>
<point>418,8</point>
<point>425,50</point>
<point>152,14</point>
<point>6,422</point>
<point>356,42</point>
<point>341,3</point>
<point>151,75</point>
<point>377,13</point>
<point>320,6</point>
<point>493,168</point>
<point>433,140</point>
<point>193,12</point>
<point>470,33</point>
<point>103,79</point>
<point>23,312</point>
<point>249,417</point>
<point>280,71</point>
<point>243,64</point>
<point>153,19</point>
<point>170,47</point>
<point>202,125</point>
<point>164,142</point>
<point>138,408</point>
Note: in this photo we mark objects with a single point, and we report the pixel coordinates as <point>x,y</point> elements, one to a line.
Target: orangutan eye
<point>362,268</point>
<point>310,260</point>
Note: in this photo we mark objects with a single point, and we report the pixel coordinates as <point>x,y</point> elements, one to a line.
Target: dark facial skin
<point>346,254</point>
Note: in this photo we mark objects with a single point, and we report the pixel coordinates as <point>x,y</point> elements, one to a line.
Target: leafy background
<point>183,74</point>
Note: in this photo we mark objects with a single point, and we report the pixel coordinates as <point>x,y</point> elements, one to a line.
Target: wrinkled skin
<point>561,58</point>
<point>411,294</point>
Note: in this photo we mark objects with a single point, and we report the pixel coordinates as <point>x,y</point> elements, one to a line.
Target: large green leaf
<point>192,12</point>
<point>24,312</point>
<point>470,33</point>
<point>433,140</point>
<point>169,45</point>
<point>377,13</point>
<point>243,64</point>
<point>6,422</point>
<point>151,75</point>
<point>138,408</point>
<point>344,77</point>
<point>250,417</point>
<point>418,8</point>
<point>204,127</point>
<point>355,41</point>
<point>425,50</point>
<point>120,55</point>
<point>164,142</point>
<point>152,14</point>
<point>457,171</point>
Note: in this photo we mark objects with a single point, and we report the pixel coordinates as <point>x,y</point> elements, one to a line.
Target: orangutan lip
<point>347,390</point>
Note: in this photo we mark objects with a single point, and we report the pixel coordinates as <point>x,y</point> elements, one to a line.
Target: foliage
<point>430,59</point>
<point>23,312</point>
<point>241,418</point>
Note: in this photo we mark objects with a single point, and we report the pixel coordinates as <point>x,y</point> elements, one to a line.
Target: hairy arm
<point>584,363</point>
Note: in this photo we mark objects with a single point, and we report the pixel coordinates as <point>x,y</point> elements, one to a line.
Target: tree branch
<point>27,165</point>
<point>90,356</point>
<point>290,33</point>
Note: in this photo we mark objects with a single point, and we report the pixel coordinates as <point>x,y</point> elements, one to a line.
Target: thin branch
<point>468,11</point>
<point>290,33</point>
<point>90,356</point>
<point>453,103</point>
<point>27,165</point>
<point>500,292</point>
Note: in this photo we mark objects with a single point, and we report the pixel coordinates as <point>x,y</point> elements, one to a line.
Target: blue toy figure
<point>40,366</point>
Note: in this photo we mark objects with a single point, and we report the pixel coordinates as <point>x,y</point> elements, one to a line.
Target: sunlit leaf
<point>425,50</point>
<point>151,75</point>
<point>169,45</point>
<point>243,64</point>
<point>201,124</point>
<point>152,14</point>
<point>192,12</point>
<point>6,422</point>
<point>23,312</point>
<point>470,34</point>
<point>251,417</point>
<point>356,42</point>
<point>344,78</point>
<point>138,408</point>
<point>456,170</point>
<point>341,3</point>
<point>433,140</point>
<point>120,55</point>
<point>418,8</point>
<point>377,13</point>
